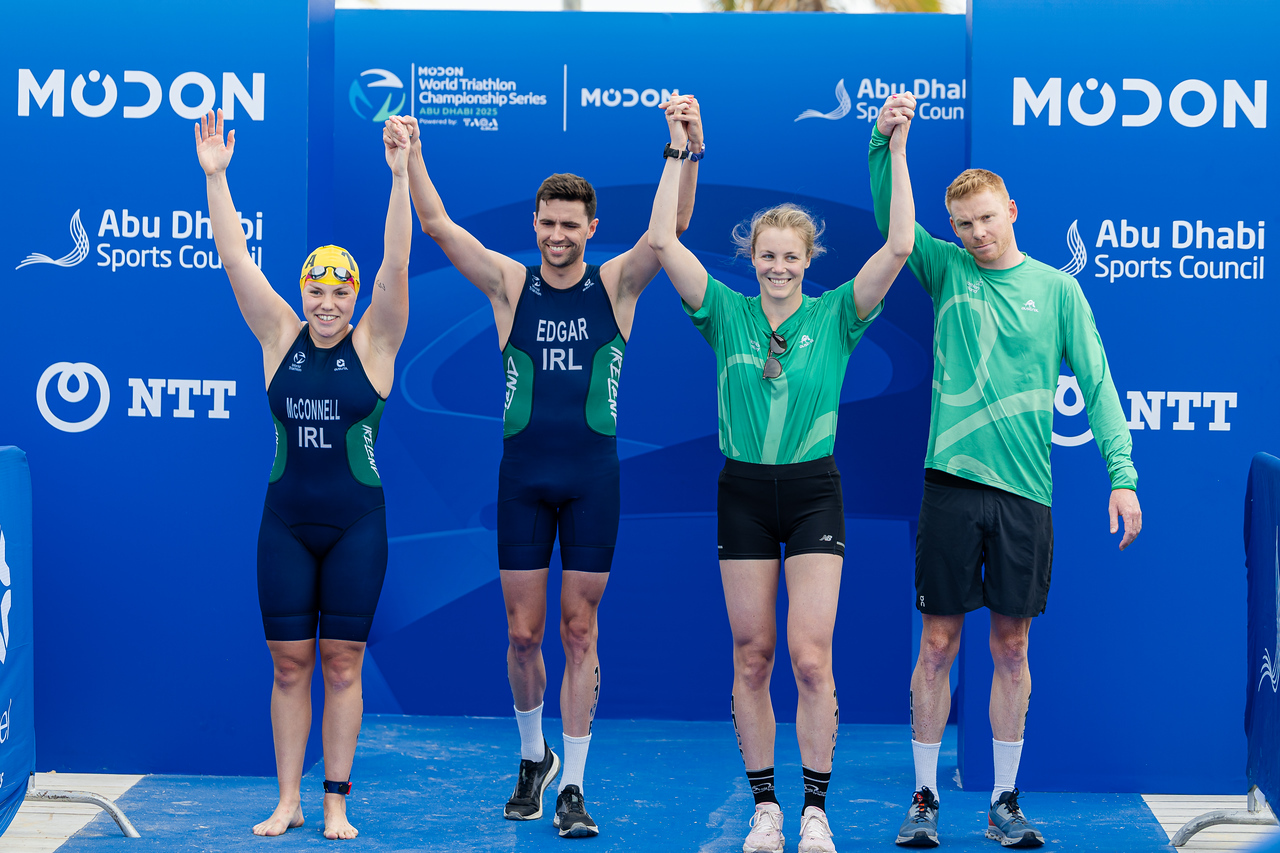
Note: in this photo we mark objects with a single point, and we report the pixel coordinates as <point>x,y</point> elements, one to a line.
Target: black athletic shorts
<point>759,507</point>
<point>964,526</point>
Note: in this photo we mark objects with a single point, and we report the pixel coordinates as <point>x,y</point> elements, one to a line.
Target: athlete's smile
<point>780,260</point>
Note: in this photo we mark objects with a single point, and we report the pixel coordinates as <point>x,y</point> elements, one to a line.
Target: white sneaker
<point>766,830</point>
<point>815,834</point>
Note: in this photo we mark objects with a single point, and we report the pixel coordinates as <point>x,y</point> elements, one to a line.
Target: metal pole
<point>84,797</point>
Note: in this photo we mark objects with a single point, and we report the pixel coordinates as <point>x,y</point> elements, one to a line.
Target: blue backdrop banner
<point>136,388</point>
<point>1136,140</point>
<point>498,117</point>
<point>17,646</point>
<point>1262,557</point>
<point>130,378</point>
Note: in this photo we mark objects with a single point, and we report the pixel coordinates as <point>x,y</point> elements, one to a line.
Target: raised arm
<point>930,256</point>
<point>880,270</point>
<point>495,274</point>
<point>638,265</point>
<point>383,326</point>
<point>683,268</point>
<point>269,316</point>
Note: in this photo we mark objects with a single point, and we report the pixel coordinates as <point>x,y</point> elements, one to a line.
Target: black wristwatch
<point>674,153</point>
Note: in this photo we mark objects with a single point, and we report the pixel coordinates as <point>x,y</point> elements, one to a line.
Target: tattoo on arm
<point>380,283</point>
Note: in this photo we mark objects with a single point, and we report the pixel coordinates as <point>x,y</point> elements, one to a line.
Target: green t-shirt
<point>999,340</point>
<point>791,418</point>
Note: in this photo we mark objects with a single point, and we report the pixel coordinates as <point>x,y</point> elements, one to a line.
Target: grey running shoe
<point>920,829</point>
<point>571,815</point>
<point>1007,824</point>
<point>531,783</point>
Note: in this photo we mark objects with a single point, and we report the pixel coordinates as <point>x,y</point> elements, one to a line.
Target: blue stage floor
<point>439,783</point>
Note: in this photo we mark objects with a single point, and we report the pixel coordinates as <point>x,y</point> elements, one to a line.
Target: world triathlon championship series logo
<point>366,90</point>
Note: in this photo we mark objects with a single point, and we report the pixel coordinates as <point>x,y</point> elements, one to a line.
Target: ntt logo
<point>1192,103</point>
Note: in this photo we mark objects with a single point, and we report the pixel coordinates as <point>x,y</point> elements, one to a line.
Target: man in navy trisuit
<point>562,329</point>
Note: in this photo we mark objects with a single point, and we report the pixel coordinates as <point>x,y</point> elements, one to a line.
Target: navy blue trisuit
<point>322,547</point>
<point>559,466</point>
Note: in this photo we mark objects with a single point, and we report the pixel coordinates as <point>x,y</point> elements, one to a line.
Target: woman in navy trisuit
<point>322,547</point>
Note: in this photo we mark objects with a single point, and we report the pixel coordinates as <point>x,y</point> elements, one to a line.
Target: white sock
<point>926,756</point>
<point>1007,754</point>
<point>575,761</point>
<point>532,745</point>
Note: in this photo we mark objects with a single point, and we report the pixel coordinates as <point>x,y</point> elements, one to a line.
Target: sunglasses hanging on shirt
<point>777,346</point>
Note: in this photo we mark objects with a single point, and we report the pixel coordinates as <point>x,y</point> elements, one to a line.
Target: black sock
<point>761,782</point>
<point>815,788</point>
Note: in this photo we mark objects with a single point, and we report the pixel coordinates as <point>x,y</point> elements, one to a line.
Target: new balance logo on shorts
<point>826,538</point>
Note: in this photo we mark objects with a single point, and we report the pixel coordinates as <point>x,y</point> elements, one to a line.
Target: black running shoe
<point>571,815</point>
<point>920,829</point>
<point>531,783</point>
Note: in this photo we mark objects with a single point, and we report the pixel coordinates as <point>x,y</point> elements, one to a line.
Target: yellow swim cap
<point>331,265</point>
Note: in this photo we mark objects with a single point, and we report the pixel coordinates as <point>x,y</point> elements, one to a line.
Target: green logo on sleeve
<point>360,439</point>
<point>602,394</point>
<point>518,407</point>
<point>282,451</point>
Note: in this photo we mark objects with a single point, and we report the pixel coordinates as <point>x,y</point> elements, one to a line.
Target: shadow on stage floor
<point>439,783</point>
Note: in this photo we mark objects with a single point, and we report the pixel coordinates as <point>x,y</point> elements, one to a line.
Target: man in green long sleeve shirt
<point>1003,323</point>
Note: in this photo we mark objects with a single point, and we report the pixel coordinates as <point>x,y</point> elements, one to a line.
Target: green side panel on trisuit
<point>360,441</point>
<point>602,392</point>
<point>518,368</point>
<point>282,451</point>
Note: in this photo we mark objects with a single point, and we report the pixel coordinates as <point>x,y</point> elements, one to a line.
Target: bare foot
<point>336,825</point>
<point>286,816</point>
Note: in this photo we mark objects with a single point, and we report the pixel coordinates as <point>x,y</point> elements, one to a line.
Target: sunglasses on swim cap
<point>342,274</point>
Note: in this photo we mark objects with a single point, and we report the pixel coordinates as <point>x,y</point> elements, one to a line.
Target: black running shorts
<point>760,507</point>
<point>964,526</point>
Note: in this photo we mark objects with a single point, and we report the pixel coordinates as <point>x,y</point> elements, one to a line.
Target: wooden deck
<point>42,827</point>
<point>1174,810</point>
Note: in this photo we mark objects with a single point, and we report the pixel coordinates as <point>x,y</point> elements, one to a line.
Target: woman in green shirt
<point>780,362</point>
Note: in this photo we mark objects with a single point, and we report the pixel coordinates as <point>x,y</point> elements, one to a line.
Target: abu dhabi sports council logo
<point>1079,255</point>
<point>80,372</point>
<point>1270,666</point>
<point>364,93</point>
<point>79,250</point>
<point>6,603</point>
<point>843,105</point>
